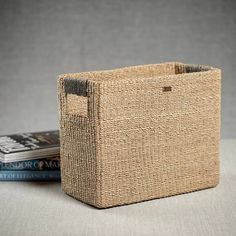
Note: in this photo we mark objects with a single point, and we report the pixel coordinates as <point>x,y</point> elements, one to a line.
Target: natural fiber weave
<point>139,133</point>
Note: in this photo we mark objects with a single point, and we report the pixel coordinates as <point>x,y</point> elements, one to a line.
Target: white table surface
<point>43,209</point>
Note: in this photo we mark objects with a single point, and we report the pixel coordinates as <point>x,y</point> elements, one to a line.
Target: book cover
<point>26,146</point>
<point>52,163</point>
<point>23,175</point>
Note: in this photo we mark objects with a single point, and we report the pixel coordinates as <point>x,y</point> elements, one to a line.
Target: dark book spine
<point>22,175</point>
<point>39,164</point>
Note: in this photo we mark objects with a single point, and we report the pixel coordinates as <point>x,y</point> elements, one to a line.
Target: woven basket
<point>138,133</point>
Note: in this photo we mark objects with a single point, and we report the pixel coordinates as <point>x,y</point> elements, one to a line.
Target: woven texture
<point>139,133</point>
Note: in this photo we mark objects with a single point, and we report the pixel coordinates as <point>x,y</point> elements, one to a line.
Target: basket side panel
<point>78,139</point>
<point>159,137</point>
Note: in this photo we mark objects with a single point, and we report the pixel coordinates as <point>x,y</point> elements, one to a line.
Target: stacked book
<point>30,157</point>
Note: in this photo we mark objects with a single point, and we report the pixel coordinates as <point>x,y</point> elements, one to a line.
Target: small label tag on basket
<point>167,89</point>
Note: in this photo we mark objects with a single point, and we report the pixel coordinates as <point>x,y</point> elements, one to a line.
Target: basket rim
<point>86,75</point>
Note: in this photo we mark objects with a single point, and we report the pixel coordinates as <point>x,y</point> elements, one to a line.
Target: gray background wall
<point>41,39</point>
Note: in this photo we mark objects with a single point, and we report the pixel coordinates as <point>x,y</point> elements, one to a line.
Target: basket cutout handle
<point>76,97</point>
<point>77,105</point>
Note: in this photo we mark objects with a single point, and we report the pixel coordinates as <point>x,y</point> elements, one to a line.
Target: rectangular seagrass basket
<point>138,133</point>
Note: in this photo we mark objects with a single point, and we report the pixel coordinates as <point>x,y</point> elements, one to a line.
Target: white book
<point>29,146</point>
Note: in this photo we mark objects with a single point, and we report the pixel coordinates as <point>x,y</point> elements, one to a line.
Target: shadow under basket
<point>138,133</point>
